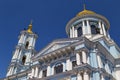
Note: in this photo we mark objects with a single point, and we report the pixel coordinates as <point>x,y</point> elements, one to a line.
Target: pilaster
<point>31,42</point>
<point>15,54</point>
<point>21,39</point>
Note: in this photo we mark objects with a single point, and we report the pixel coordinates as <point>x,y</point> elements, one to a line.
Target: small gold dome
<point>85,12</point>
<point>29,30</point>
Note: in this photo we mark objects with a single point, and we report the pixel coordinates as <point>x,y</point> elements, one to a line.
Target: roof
<point>85,12</point>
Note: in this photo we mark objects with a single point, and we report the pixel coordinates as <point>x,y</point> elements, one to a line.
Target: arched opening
<point>74,64</point>
<point>23,59</point>
<point>95,30</point>
<point>58,68</point>
<point>79,31</point>
<point>45,73</point>
<point>27,44</point>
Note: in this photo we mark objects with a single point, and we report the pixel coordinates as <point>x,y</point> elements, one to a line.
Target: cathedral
<point>88,53</point>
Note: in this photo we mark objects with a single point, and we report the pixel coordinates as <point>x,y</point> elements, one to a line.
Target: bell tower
<point>24,50</point>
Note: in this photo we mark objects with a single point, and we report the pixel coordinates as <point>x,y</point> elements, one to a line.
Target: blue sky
<point>49,20</point>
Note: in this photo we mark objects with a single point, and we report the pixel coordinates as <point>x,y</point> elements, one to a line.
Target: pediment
<point>55,45</point>
<point>52,47</point>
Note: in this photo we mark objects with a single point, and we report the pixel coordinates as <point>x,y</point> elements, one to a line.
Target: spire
<point>84,6</point>
<point>29,30</point>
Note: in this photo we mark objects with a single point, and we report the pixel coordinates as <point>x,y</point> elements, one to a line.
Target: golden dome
<point>85,12</point>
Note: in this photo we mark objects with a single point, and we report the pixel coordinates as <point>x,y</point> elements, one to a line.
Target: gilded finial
<point>84,7</point>
<point>29,30</point>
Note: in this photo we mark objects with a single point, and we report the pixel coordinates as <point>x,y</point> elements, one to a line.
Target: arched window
<point>58,68</point>
<point>79,31</point>
<point>74,63</point>
<point>23,59</point>
<point>98,30</point>
<point>27,44</point>
<point>95,30</point>
<point>45,73</point>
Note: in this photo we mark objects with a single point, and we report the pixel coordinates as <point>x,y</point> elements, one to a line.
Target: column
<point>88,27</point>
<point>83,27</point>
<point>79,76</point>
<point>100,26</point>
<point>68,64</point>
<point>99,61</point>
<point>107,67</point>
<point>86,76</point>
<point>36,72</point>
<point>78,58</point>
<point>108,35</point>
<point>103,29</point>
<point>88,59</point>
<point>64,66</point>
<point>48,70</point>
<point>40,74</point>
<point>102,77</point>
<point>73,33</point>
<point>84,57</point>
<point>69,78</point>
<point>52,70</point>
<point>33,71</point>
<point>76,33</point>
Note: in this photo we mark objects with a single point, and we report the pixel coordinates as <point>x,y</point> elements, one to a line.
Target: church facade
<point>88,53</point>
